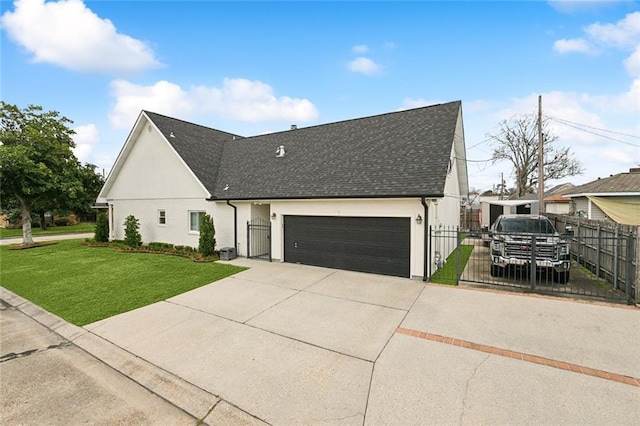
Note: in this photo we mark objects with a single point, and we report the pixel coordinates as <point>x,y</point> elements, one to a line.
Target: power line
<point>597,134</point>
<point>473,161</point>
<point>591,127</point>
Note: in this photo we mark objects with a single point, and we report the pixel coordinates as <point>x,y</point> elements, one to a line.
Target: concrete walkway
<point>293,344</point>
<point>8,241</point>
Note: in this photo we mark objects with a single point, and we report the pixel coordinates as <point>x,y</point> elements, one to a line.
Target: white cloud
<point>389,45</point>
<point>622,103</point>
<point>572,45</point>
<point>364,65</point>
<point>618,156</point>
<point>68,34</point>
<point>623,34</point>
<point>409,103</point>
<point>237,99</point>
<point>574,6</point>
<point>86,138</point>
<point>360,48</point>
<point>632,63</point>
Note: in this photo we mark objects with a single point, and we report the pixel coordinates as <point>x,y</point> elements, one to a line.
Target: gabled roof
<point>621,184</point>
<point>200,147</point>
<point>398,154</point>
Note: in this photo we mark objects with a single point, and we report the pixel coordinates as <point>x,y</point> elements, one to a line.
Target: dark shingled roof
<point>620,183</point>
<point>200,147</point>
<point>399,154</point>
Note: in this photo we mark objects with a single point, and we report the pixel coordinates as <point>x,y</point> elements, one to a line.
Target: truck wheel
<point>496,271</point>
<point>561,277</point>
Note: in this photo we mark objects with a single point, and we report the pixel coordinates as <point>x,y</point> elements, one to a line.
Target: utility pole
<point>540,159</point>
<point>502,186</point>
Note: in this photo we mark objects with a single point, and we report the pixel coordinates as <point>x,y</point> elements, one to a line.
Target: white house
<point>359,194</point>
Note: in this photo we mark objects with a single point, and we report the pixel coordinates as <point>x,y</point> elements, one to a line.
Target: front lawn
<point>52,230</point>
<point>86,284</point>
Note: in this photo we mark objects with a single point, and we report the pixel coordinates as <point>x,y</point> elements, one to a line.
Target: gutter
<point>426,238</point>
<point>235,225</point>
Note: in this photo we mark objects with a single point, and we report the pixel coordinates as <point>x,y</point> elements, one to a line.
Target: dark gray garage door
<point>380,245</point>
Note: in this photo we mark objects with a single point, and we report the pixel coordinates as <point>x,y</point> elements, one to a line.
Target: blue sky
<point>256,67</point>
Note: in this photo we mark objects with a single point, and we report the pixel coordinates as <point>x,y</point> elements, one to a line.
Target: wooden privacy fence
<point>608,250</point>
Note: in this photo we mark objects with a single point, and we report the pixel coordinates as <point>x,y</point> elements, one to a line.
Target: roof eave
<point>325,197</point>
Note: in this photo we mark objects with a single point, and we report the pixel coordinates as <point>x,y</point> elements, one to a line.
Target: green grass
<point>53,230</point>
<point>86,284</point>
<point>447,274</point>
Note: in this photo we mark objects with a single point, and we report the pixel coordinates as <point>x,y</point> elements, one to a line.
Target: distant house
<point>359,194</point>
<point>616,198</point>
<point>554,202</point>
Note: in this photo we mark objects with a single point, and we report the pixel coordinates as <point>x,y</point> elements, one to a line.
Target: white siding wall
<point>354,208</point>
<point>557,208</point>
<point>154,178</point>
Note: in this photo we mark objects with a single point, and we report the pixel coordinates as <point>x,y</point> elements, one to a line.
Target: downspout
<point>426,238</point>
<point>235,225</point>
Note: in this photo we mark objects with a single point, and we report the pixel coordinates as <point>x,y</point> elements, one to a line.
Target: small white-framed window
<point>162,217</point>
<point>195,218</point>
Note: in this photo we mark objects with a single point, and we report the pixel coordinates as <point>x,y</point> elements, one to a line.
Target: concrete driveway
<point>293,344</point>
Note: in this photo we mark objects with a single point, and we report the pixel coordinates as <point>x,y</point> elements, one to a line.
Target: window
<point>162,217</point>
<point>194,221</point>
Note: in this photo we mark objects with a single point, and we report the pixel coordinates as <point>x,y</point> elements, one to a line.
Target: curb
<point>189,398</point>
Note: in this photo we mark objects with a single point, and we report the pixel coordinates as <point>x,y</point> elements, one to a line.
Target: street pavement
<point>293,344</point>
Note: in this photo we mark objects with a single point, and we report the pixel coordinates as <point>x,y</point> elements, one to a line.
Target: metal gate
<point>259,239</point>
<point>599,268</point>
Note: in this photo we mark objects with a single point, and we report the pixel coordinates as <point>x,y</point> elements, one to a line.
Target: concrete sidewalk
<point>290,344</point>
<point>18,240</point>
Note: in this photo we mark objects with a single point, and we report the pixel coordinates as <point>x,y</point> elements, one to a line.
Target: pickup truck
<point>511,245</point>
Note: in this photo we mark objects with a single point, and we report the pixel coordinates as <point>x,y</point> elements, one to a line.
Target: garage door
<point>380,245</point>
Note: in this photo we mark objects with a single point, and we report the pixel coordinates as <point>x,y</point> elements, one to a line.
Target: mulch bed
<point>34,245</point>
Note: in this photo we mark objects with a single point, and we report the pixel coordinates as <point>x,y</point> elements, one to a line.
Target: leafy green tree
<point>132,236</point>
<point>92,183</point>
<point>102,228</point>
<point>38,170</point>
<point>207,241</point>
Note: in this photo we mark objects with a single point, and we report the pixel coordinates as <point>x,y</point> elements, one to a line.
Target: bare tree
<point>517,141</point>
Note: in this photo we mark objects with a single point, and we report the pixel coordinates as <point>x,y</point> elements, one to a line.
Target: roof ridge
<point>352,119</point>
<point>191,123</point>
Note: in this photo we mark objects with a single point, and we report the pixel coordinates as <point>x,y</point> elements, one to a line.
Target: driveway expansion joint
<point>534,359</point>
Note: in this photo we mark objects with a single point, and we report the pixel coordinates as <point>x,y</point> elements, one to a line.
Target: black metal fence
<point>259,239</point>
<point>532,263</point>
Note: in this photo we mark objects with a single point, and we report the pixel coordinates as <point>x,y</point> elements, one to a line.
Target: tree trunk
<point>27,236</point>
<point>43,221</point>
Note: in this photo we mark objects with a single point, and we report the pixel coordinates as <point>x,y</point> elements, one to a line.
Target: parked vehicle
<point>513,238</point>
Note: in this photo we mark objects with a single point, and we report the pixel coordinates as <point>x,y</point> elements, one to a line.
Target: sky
<point>257,67</point>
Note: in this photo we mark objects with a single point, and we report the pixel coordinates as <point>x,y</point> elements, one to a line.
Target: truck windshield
<point>525,225</point>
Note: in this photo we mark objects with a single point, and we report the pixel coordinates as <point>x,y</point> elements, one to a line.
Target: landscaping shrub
<point>132,236</point>
<point>102,228</point>
<point>63,221</point>
<point>207,241</point>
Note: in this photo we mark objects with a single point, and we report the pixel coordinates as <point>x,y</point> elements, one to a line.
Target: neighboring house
<point>554,202</point>
<point>616,198</point>
<point>358,194</point>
